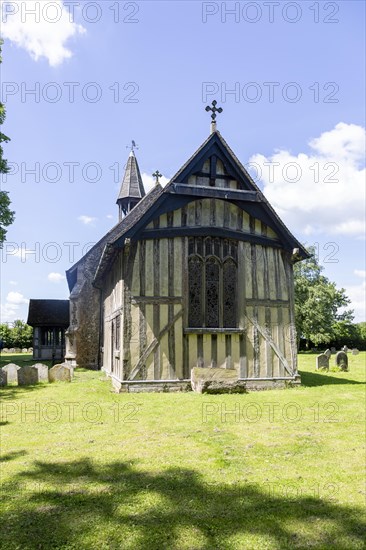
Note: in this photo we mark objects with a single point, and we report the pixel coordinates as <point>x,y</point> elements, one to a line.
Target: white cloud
<point>11,309</point>
<point>149,181</point>
<point>110,216</point>
<point>13,283</point>
<point>56,277</point>
<point>321,192</point>
<point>16,298</point>
<point>360,273</point>
<point>43,34</point>
<point>87,220</point>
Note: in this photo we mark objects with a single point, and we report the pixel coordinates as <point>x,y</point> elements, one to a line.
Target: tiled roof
<point>132,186</point>
<point>48,313</point>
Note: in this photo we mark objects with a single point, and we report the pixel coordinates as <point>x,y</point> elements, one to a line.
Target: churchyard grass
<point>83,467</point>
<point>21,359</point>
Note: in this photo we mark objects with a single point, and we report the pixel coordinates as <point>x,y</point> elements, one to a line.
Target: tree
<point>6,335</point>
<point>21,334</point>
<point>361,327</point>
<point>6,215</point>
<point>317,301</point>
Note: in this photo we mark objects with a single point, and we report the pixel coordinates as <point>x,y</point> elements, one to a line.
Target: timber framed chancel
<point>195,274</point>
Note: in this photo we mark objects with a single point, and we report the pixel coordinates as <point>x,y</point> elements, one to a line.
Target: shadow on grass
<point>15,392</point>
<point>11,456</point>
<point>118,506</point>
<point>316,379</point>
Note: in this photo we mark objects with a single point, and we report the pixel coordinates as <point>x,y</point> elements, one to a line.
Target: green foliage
<point>350,335</point>
<point>361,328</point>
<point>5,336</point>
<point>6,215</point>
<point>317,301</point>
<point>20,335</point>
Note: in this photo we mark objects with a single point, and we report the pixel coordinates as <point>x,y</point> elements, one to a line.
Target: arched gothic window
<point>212,279</point>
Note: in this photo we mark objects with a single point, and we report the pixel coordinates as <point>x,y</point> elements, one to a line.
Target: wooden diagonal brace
<point>153,345</point>
<point>273,345</point>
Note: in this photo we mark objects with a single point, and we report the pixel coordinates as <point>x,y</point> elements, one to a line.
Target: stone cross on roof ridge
<point>157,175</point>
<point>214,110</point>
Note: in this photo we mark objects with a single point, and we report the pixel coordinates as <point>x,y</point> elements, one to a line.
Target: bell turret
<point>132,188</point>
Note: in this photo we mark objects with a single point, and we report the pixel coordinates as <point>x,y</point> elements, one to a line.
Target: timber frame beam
<point>214,192</point>
<point>202,231</point>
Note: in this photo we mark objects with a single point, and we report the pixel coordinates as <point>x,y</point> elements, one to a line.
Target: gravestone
<point>345,349</point>
<point>212,380</point>
<point>328,353</point>
<point>333,350</point>
<point>341,360</point>
<point>25,350</point>
<point>3,377</point>
<point>61,372</point>
<point>5,350</point>
<point>322,362</point>
<point>17,350</point>
<point>12,371</point>
<point>355,351</point>
<point>27,376</point>
<point>42,372</point>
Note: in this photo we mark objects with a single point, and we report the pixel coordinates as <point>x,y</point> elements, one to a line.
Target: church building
<point>198,273</point>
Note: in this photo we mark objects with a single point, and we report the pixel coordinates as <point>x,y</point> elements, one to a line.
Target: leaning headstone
<point>328,353</point>
<point>3,377</point>
<point>27,376</point>
<point>333,350</point>
<point>341,360</point>
<point>345,349</point>
<point>42,372</point>
<point>216,380</point>
<point>322,362</point>
<point>12,371</point>
<point>60,372</point>
<point>25,350</point>
<point>355,351</point>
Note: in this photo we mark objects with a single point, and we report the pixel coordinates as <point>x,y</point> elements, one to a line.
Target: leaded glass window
<point>212,293</point>
<point>195,270</point>
<point>212,279</point>
<point>229,292</point>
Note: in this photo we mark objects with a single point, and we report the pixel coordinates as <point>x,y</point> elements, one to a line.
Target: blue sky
<point>289,76</point>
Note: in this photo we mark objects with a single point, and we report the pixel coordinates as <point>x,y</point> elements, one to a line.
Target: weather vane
<point>132,146</point>
<point>157,175</point>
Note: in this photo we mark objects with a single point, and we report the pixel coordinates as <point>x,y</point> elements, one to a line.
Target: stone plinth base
<point>204,380</point>
<point>208,380</point>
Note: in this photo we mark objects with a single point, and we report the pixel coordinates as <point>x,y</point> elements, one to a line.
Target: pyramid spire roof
<point>131,186</point>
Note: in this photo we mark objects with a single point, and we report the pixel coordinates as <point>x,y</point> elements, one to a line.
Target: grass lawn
<point>20,359</point>
<point>85,468</point>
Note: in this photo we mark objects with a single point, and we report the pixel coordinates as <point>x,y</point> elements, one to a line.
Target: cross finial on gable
<point>157,175</point>
<point>214,110</point>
